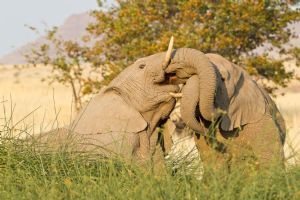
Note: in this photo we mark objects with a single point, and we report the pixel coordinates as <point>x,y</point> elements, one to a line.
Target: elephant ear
<point>238,95</point>
<point>109,113</point>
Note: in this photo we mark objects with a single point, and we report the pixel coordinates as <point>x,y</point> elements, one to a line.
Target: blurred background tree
<point>70,65</point>
<point>137,28</point>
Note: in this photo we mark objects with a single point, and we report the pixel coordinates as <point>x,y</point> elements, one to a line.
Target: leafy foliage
<point>230,28</point>
<point>69,65</point>
<point>233,29</point>
<point>295,52</point>
<point>273,70</point>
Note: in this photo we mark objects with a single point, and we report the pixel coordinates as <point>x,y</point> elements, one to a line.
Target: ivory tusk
<point>175,95</point>
<point>169,52</point>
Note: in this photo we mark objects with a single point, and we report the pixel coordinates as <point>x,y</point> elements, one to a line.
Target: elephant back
<point>237,94</point>
<point>276,115</point>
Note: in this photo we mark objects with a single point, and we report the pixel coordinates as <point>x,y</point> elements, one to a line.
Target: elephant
<point>122,117</point>
<point>230,112</point>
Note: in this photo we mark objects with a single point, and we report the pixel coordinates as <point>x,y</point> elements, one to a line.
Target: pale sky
<point>14,14</point>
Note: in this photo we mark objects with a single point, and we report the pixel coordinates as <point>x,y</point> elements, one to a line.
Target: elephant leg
<point>162,112</point>
<point>211,158</point>
<point>260,140</point>
<point>157,152</point>
<point>154,140</point>
<point>142,151</point>
<point>152,154</point>
<point>169,128</point>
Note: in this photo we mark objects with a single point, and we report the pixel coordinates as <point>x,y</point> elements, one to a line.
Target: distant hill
<point>72,29</point>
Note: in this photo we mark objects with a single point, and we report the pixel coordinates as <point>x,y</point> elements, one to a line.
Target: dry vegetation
<point>289,106</point>
<point>23,92</point>
<point>52,103</point>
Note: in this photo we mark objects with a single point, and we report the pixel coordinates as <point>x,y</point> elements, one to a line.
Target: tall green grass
<point>26,173</point>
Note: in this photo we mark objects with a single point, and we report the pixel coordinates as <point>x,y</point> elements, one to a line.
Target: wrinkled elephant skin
<point>219,89</point>
<point>122,117</point>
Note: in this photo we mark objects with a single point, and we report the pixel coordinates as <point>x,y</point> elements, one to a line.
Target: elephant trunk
<point>194,62</point>
<point>189,102</point>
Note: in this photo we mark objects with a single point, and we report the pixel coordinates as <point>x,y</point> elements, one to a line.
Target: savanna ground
<point>29,106</point>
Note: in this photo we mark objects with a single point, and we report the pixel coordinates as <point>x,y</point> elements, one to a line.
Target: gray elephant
<point>221,98</point>
<point>122,117</point>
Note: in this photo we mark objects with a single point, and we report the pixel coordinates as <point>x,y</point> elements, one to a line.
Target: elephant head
<point>122,117</point>
<point>141,84</point>
<point>215,84</point>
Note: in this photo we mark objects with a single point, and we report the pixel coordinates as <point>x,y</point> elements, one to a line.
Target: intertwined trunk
<point>196,63</point>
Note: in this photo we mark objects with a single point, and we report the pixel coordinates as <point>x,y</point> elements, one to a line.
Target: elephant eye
<point>142,66</point>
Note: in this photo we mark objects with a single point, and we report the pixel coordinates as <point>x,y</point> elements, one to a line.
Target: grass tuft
<point>27,173</point>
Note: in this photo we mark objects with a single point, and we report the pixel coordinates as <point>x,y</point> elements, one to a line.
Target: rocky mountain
<point>72,29</point>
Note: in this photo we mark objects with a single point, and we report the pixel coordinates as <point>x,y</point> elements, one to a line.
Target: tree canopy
<point>137,28</point>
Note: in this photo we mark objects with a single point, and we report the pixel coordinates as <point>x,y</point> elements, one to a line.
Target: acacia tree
<point>136,28</point>
<point>70,65</point>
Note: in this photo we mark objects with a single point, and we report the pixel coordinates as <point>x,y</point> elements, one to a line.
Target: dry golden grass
<point>28,93</point>
<point>24,92</point>
<point>289,105</point>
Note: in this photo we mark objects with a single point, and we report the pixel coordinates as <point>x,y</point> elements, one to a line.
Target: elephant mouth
<point>171,77</point>
<point>174,79</point>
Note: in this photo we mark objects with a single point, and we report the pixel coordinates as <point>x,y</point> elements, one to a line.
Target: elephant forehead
<point>155,59</point>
